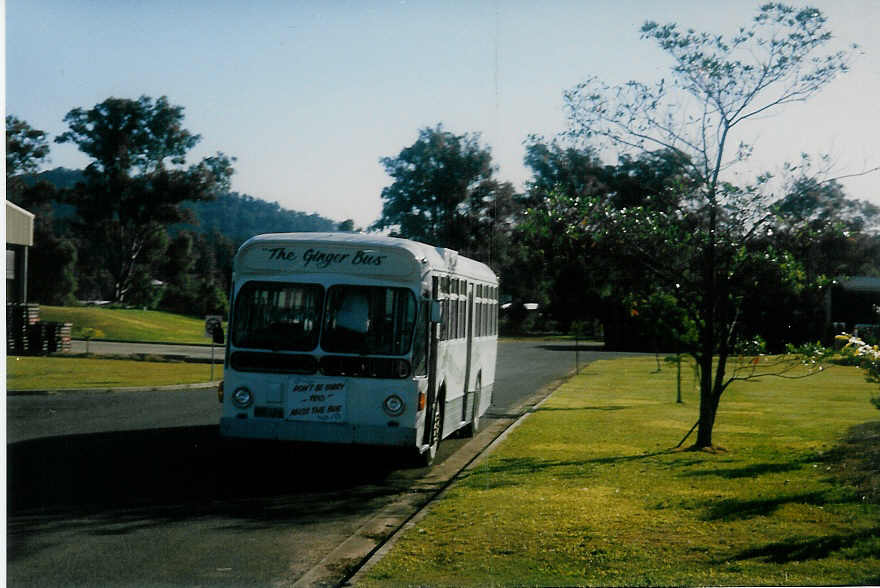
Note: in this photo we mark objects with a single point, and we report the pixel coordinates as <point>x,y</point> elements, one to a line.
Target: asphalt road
<point>112,347</point>
<point>133,489</point>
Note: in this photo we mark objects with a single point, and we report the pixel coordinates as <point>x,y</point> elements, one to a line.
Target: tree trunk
<point>708,404</point>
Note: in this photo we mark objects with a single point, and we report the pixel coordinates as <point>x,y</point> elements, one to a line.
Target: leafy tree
<point>588,279</point>
<point>830,236</point>
<point>563,168</point>
<point>26,147</point>
<point>135,185</point>
<point>51,275</point>
<point>222,252</point>
<point>705,253</point>
<point>833,235</point>
<point>52,268</point>
<point>443,191</point>
<point>562,273</point>
<point>346,226</point>
<point>489,218</point>
<point>194,283</point>
<point>180,289</point>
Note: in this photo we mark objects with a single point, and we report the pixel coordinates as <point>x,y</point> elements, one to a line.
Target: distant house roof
<point>19,225</point>
<point>861,284</point>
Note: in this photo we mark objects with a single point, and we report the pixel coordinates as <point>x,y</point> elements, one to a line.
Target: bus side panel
<point>452,371</point>
<point>486,349</point>
<point>484,356</point>
<point>450,376</point>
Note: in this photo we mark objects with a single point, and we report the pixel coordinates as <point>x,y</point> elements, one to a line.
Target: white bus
<point>358,339</point>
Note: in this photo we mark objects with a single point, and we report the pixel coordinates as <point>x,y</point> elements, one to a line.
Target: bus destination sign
<point>284,257</point>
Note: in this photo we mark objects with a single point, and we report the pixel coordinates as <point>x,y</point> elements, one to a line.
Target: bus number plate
<point>317,402</point>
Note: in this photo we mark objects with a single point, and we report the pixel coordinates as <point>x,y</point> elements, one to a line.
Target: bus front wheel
<point>426,457</point>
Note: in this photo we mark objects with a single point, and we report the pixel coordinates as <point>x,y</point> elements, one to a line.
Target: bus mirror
<point>218,336</point>
<point>436,312</point>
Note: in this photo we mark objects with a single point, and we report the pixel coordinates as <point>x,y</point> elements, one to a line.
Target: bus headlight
<point>242,397</point>
<point>394,405</point>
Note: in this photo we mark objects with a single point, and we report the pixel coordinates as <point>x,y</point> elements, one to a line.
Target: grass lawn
<point>149,326</point>
<point>588,492</point>
<point>48,373</point>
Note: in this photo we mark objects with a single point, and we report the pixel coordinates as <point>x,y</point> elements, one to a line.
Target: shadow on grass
<point>750,471</point>
<point>734,509</point>
<point>858,545</point>
<point>500,415</point>
<point>117,483</point>
<point>514,471</point>
<point>856,460</point>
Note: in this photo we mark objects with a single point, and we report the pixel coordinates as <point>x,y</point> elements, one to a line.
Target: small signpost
<point>214,330</point>
<point>579,329</point>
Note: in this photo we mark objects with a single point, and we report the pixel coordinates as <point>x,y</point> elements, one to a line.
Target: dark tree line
<point>555,243</point>
<point>659,245</point>
<point>138,226</point>
<point>444,193</point>
<point>52,273</point>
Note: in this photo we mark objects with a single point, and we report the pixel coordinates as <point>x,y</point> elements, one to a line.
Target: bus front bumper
<point>343,433</point>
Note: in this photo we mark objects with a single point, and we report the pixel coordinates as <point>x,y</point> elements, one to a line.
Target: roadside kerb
<point>372,540</point>
<point>181,344</point>
<point>198,386</point>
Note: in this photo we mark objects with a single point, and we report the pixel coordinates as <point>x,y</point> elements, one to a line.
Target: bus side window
<point>462,320</point>
<point>452,326</point>
<point>420,345</point>
<point>436,288</point>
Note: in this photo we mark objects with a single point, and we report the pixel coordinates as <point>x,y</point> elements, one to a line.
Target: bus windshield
<point>272,315</point>
<point>369,319</point>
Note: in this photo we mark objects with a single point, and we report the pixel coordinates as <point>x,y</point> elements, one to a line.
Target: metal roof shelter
<point>19,237</point>
<point>852,302</point>
<point>861,284</point>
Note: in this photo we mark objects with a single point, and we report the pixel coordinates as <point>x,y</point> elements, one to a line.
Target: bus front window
<point>273,315</point>
<point>369,319</point>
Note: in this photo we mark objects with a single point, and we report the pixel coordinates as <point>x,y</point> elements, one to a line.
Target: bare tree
<point>717,86</point>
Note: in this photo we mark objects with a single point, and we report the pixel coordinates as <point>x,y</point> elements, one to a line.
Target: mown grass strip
<point>51,373</point>
<point>149,326</point>
<point>588,492</point>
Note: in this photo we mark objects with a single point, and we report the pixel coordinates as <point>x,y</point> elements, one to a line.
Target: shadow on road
<point>114,483</point>
<point>571,347</point>
<point>599,350</point>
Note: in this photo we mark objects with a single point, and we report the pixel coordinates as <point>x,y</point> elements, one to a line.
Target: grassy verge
<point>587,492</point>
<point>49,373</point>
<point>149,326</point>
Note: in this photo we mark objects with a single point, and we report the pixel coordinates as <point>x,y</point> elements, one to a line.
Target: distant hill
<point>60,177</point>
<point>240,216</point>
<point>236,216</point>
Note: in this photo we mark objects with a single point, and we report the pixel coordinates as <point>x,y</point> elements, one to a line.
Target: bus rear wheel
<point>473,427</point>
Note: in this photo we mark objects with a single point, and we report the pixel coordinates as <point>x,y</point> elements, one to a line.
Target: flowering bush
<point>859,353</point>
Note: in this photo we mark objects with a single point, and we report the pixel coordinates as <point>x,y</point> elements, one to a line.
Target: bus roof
<point>436,258</point>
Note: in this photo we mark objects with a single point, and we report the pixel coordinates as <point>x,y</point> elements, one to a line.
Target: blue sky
<point>309,95</point>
